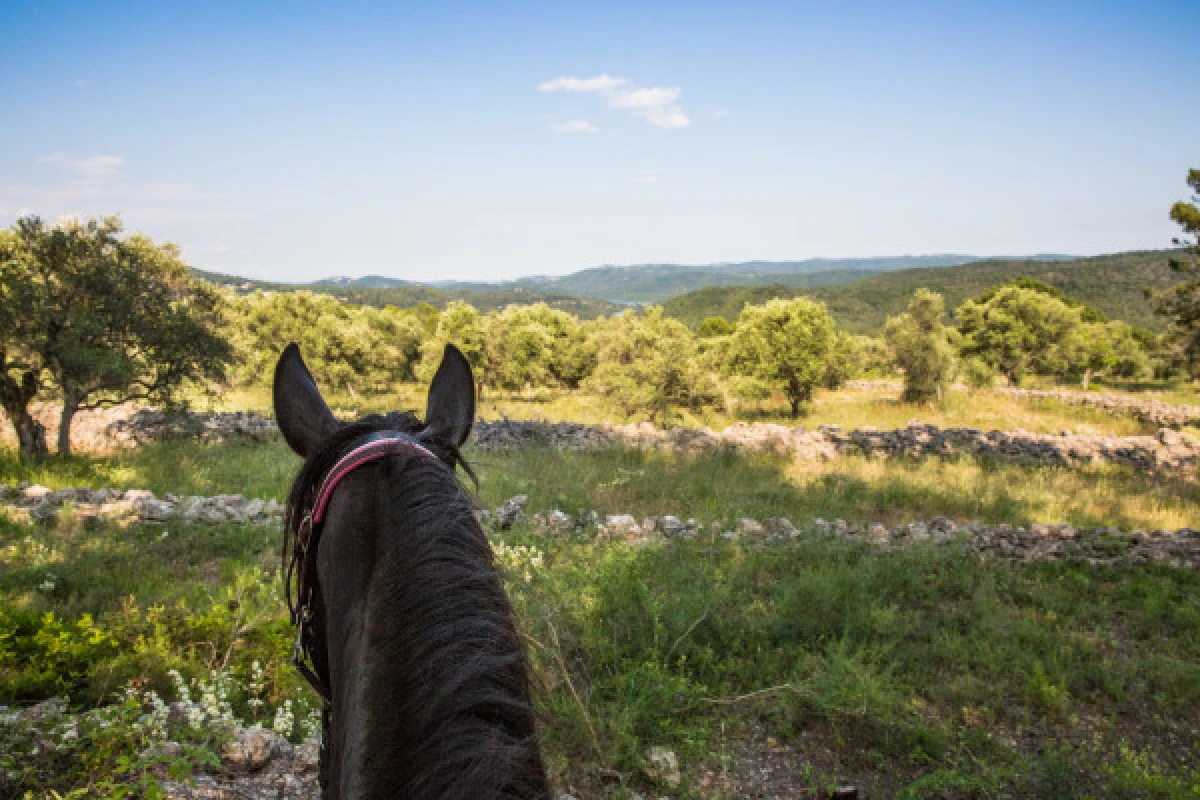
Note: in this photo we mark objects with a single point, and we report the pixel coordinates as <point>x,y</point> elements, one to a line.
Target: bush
<point>921,346</point>
<point>978,373</point>
<point>647,363</point>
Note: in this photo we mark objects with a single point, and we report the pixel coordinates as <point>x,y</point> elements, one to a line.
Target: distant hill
<point>380,292</point>
<point>365,282</point>
<point>1112,283</point>
<point>656,283</point>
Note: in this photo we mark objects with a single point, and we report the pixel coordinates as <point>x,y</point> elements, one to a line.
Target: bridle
<point>301,572</point>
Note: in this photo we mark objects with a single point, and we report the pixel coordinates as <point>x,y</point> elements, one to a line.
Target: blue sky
<point>441,141</point>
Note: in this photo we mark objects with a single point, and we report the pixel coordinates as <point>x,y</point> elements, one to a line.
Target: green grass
<point>709,487</point>
<point>916,673</point>
<point>849,408</point>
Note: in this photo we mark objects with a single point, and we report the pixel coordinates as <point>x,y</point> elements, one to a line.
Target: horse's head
<point>404,615</point>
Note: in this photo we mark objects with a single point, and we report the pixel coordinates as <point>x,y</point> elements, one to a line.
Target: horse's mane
<point>458,708</point>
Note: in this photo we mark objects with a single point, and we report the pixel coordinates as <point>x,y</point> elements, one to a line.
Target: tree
<point>1019,332</point>
<point>461,325</point>
<point>536,346</point>
<point>784,343</point>
<point>848,359</point>
<point>1112,349</point>
<point>921,346</point>
<point>347,346</point>
<point>647,362</point>
<point>714,326</point>
<point>101,318</point>
<point>1182,301</point>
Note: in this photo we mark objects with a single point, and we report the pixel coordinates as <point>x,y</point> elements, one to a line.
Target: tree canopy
<point>102,318</point>
<point>1181,302</point>
<point>783,343</point>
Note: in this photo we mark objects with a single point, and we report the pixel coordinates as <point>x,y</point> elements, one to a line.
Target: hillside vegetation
<point>654,283</point>
<point>382,292</point>
<point>1112,283</point>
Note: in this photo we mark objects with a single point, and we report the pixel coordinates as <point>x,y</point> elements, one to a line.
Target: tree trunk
<point>70,406</point>
<point>794,399</point>
<point>1087,378</point>
<point>31,434</point>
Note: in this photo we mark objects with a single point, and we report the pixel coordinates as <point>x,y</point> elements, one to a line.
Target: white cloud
<point>658,106</point>
<point>600,83</point>
<point>89,166</point>
<point>643,99</point>
<point>574,126</point>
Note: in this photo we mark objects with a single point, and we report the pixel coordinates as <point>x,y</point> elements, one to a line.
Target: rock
<point>307,755</point>
<point>1170,438</point>
<point>557,520</point>
<point>35,495</point>
<point>154,510</point>
<point>622,525</point>
<point>47,709</point>
<point>250,749</point>
<point>748,526</point>
<point>662,766</point>
<point>877,533</point>
<point>918,531</point>
<point>672,526</point>
<point>138,495</point>
<point>512,511</point>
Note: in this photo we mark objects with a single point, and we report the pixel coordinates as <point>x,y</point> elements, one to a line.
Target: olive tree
<point>101,318</point>
<point>784,344</point>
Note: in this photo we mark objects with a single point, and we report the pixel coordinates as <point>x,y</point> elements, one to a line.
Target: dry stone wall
<point>1168,450</point>
<point>1101,546</point>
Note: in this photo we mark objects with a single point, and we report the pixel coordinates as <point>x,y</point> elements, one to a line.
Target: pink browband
<point>363,454</point>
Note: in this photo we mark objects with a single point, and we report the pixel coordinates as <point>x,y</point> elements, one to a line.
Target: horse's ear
<point>300,411</point>
<point>450,410</point>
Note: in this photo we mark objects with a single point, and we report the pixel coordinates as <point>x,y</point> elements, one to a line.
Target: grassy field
<point>849,408</point>
<point>915,673</point>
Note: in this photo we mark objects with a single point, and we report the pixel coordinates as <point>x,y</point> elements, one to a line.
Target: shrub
<point>921,347</point>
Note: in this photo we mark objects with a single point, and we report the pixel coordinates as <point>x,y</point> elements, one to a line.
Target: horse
<point>403,624</point>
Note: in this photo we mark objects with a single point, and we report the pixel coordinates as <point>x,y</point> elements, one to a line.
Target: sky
<point>488,141</point>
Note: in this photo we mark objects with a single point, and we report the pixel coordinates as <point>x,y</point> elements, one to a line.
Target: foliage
<point>1113,284</point>
<point>647,363</point>
<point>921,346</point>
<point>714,326</point>
<point>785,344</point>
<point>1181,302</point>
<point>1089,312</point>
<point>460,324</point>
<point>1113,349</point>
<point>536,346</point>
<point>850,357</point>
<point>343,345</point>
<point>1021,332</point>
<point>103,318</point>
